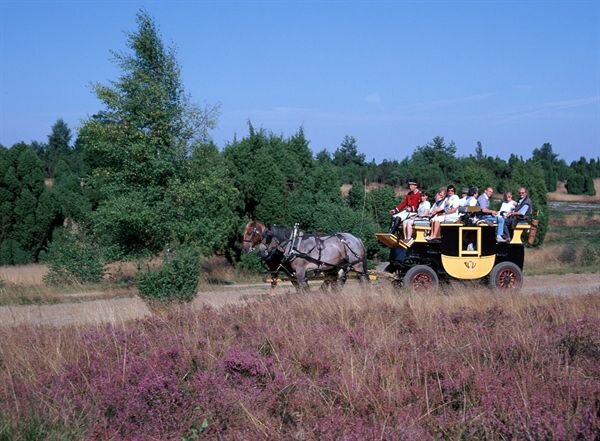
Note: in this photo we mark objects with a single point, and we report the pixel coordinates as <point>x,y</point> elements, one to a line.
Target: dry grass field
<point>26,275</point>
<point>561,195</point>
<point>355,366</point>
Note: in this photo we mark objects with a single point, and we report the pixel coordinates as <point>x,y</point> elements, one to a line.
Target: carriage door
<point>469,242</point>
<point>471,261</point>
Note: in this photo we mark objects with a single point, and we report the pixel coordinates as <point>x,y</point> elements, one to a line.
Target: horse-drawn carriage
<point>466,251</point>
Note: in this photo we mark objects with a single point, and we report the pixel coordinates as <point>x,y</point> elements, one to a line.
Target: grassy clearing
<point>354,366</point>
<point>24,285</point>
<point>572,243</point>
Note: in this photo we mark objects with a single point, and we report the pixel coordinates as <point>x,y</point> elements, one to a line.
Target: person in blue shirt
<point>487,214</point>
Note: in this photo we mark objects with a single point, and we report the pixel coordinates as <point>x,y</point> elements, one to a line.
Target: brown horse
<point>296,253</point>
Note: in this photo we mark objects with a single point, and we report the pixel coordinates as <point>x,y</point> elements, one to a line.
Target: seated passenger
<point>471,199</point>
<point>450,214</point>
<point>505,226</point>
<point>508,204</point>
<point>464,194</point>
<point>404,208</point>
<point>422,214</point>
<point>487,214</point>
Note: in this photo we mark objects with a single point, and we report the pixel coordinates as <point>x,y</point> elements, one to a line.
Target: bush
<point>176,280</point>
<point>73,258</point>
<point>589,255</point>
<point>251,263</point>
<point>568,254</point>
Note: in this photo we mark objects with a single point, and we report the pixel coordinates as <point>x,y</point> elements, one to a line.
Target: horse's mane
<point>280,232</point>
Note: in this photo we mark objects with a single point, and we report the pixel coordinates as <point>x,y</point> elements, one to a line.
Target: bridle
<point>251,239</point>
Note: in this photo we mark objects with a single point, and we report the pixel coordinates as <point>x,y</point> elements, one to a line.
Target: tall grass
<point>28,275</point>
<point>356,366</point>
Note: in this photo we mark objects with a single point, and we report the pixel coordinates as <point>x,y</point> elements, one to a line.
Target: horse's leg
<point>330,281</point>
<point>361,269</point>
<point>342,275</point>
<point>301,280</point>
<point>274,276</point>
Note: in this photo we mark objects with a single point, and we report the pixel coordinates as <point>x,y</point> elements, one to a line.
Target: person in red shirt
<point>408,205</point>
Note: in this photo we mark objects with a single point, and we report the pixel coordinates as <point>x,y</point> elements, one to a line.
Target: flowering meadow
<point>350,366</point>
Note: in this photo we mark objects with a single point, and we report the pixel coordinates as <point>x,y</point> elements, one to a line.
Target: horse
<point>295,252</point>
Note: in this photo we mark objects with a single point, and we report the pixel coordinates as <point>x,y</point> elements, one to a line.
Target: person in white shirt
<point>464,194</point>
<point>508,204</point>
<point>422,213</point>
<point>450,214</point>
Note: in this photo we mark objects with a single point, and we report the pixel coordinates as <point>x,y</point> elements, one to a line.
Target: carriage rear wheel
<point>506,276</point>
<point>421,278</point>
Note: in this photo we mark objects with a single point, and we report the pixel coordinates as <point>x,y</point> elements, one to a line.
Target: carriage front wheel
<point>506,276</point>
<point>421,278</point>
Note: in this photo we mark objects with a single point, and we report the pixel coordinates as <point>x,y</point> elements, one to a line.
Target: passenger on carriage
<point>464,194</point>
<point>471,199</point>
<point>408,205</point>
<point>449,215</point>
<point>508,204</point>
<point>421,215</point>
<point>506,226</point>
<point>487,215</point>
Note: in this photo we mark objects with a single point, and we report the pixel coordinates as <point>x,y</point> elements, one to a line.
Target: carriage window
<point>470,241</point>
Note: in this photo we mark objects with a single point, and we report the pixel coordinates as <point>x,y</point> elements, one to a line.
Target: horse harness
<point>292,251</point>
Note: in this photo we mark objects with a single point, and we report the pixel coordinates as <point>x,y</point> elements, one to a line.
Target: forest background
<point>142,177</point>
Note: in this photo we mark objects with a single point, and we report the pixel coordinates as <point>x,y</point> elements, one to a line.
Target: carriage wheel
<point>506,276</point>
<point>421,278</point>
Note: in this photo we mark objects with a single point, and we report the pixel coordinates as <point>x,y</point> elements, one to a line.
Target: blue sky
<point>511,74</point>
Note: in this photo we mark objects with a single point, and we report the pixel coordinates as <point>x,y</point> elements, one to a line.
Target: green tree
<point>530,174</point>
<point>356,196</point>
<point>349,160</point>
<point>479,151</point>
<point>138,146</point>
<point>26,224</point>
<point>437,155</point>
<point>348,154</point>
<point>549,162</point>
<point>58,147</point>
<point>380,201</point>
<point>267,170</point>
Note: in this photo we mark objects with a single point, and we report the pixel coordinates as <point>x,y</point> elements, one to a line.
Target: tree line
<point>143,176</point>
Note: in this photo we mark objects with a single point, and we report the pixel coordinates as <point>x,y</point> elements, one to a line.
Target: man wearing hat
<point>407,206</point>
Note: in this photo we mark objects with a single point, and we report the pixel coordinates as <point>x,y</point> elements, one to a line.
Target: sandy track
<point>120,310</point>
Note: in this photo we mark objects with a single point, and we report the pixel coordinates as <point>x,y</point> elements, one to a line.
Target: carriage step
<point>390,240</point>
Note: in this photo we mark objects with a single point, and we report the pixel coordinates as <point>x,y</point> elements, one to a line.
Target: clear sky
<point>511,74</point>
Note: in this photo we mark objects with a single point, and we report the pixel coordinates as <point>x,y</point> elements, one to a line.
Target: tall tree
<point>138,145</point>
<point>58,147</point>
<point>549,162</point>
<point>479,151</point>
<point>350,161</point>
<point>25,227</point>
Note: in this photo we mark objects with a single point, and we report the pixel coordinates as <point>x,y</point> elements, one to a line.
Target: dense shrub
<point>175,280</point>
<point>73,258</point>
<point>589,255</point>
<point>250,263</point>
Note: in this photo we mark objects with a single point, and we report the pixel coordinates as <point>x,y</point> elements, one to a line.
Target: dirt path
<point>119,310</point>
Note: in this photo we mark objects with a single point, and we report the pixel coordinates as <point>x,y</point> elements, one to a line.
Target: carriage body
<point>465,252</point>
